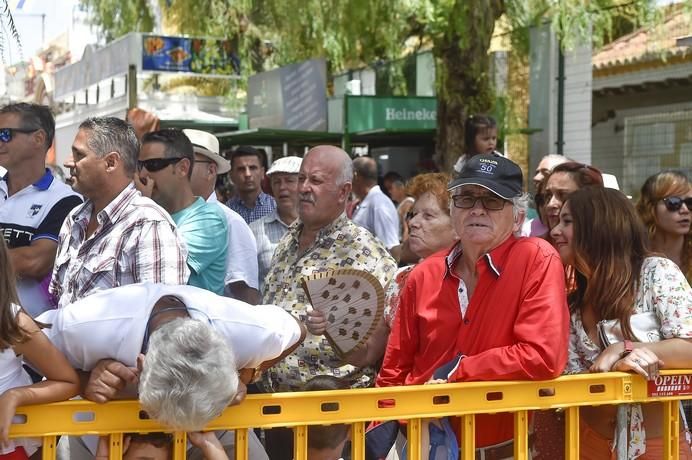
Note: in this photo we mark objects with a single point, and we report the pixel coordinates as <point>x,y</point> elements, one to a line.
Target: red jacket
<point>516,326</point>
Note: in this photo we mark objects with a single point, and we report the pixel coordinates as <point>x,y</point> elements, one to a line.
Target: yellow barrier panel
<point>572,433</point>
<point>359,406</point>
<point>468,437</point>
<point>521,435</point>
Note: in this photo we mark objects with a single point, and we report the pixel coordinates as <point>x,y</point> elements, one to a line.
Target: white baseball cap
<point>288,165</point>
<point>207,144</point>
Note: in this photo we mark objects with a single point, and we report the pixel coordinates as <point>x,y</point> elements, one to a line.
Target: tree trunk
<point>464,83</point>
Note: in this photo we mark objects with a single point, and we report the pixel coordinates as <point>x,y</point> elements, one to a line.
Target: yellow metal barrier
<point>357,407</point>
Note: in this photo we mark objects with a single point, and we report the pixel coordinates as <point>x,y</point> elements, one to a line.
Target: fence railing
<point>358,407</point>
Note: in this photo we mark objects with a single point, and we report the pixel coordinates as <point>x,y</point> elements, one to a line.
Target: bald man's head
<point>334,158</point>
<point>324,184</point>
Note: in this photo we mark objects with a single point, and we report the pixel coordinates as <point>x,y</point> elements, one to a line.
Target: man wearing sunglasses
<point>165,165</point>
<point>33,203</point>
<point>117,237</point>
<point>492,307</point>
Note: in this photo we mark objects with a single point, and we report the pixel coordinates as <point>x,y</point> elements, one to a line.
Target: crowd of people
<point>137,281</point>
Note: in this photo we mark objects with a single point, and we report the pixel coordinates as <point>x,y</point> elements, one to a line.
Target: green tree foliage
<point>115,18</point>
<point>353,33</point>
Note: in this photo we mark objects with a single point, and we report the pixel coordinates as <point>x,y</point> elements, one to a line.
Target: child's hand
<point>8,408</point>
<point>209,445</point>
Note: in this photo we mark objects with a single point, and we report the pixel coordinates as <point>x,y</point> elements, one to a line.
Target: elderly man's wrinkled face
<point>485,224</point>
<point>321,198</point>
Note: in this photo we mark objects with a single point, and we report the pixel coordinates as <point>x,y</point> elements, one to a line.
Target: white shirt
<point>377,214</point>
<point>110,324</point>
<point>241,258</point>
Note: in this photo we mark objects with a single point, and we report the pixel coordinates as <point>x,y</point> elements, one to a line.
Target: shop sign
<point>367,113</point>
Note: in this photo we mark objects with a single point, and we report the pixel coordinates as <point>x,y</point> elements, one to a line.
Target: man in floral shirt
<point>323,238</point>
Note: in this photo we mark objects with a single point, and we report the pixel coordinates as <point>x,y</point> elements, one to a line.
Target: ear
<point>41,137</point>
<point>344,192</point>
<point>112,160</point>
<point>518,222</point>
<point>184,166</point>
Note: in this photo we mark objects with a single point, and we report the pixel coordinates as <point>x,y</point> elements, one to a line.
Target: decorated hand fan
<point>352,300</point>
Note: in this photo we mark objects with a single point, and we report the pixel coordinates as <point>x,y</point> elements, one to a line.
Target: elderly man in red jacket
<point>493,307</point>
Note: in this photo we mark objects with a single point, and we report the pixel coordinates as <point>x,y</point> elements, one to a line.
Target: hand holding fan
<point>353,302</point>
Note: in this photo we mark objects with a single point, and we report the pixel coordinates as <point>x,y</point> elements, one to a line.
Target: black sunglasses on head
<point>6,134</point>
<point>674,203</point>
<point>156,164</point>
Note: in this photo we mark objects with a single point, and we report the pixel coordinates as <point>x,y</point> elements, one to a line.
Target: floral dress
<point>663,290</point>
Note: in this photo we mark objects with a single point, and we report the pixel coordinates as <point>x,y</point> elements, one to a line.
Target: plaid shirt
<point>135,241</point>
<point>264,206</point>
<point>268,231</point>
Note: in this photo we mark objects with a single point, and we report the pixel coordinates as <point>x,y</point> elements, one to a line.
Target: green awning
<point>384,137</point>
<point>267,136</point>
<point>207,125</point>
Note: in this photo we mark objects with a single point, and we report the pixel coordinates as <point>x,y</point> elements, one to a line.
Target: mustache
<point>309,197</point>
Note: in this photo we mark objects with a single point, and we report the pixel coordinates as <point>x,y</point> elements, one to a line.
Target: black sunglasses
<point>674,203</point>
<point>157,164</point>
<point>490,203</point>
<point>6,134</point>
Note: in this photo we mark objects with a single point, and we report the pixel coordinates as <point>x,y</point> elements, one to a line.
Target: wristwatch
<point>628,348</point>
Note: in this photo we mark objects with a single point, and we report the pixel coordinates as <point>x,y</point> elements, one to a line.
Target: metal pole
<point>560,101</point>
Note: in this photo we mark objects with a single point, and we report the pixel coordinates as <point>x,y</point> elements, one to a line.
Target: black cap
<point>494,172</point>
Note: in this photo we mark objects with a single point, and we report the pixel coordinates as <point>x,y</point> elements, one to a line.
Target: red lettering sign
<point>670,385</point>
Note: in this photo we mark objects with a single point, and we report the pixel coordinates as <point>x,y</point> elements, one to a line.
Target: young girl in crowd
<point>665,207</point>
<point>20,337</point>
<point>480,136</point>
<point>630,311</point>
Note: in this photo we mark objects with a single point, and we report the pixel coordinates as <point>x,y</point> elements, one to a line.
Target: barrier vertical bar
<point>468,437</point>
<point>521,435</point>
<point>414,445</point>
<point>572,433</point>
<point>115,446</point>
<point>358,441</point>
<point>241,444</point>
<point>300,442</point>
<point>49,444</point>
<point>671,430</point>
<point>179,445</point>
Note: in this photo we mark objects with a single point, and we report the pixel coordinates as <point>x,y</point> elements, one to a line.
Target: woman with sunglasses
<point>665,207</point>
<point>630,312</point>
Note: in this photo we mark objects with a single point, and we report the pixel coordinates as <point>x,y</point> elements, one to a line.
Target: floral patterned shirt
<point>342,244</point>
<point>664,290</point>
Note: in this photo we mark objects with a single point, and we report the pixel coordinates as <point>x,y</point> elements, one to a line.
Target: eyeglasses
<point>156,164</point>
<point>674,203</point>
<point>6,134</point>
<point>490,203</point>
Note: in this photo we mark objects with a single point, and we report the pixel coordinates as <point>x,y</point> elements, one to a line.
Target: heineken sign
<point>368,113</point>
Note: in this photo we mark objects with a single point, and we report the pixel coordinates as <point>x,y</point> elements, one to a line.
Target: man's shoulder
<point>142,209</point>
<point>200,213</point>
<point>435,264</point>
<point>531,245</point>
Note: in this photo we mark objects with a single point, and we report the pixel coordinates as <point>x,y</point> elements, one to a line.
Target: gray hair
<point>520,206</point>
<point>189,375</point>
<point>111,134</point>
